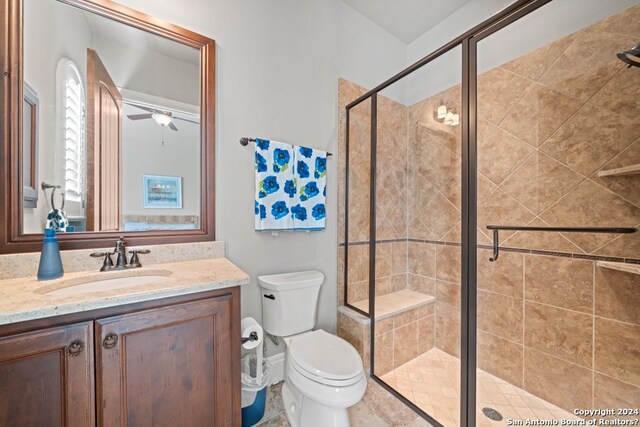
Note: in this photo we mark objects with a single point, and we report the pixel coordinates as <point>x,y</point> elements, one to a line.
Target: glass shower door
<point>417,299</point>
<point>355,193</point>
<point>558,323</point>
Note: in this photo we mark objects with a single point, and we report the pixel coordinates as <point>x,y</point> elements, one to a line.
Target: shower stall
<point>489,264</point>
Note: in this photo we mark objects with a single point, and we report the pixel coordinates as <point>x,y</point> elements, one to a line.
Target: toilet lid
<point>325,355</point>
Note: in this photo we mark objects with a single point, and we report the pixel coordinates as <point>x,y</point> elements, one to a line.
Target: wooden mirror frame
<point>12,240</point>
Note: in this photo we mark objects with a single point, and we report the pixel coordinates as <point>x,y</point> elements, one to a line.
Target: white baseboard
<point>277,368</point>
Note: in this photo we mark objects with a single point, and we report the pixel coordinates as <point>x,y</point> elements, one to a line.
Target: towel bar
<point>497,228</point>
<point>245,140</point>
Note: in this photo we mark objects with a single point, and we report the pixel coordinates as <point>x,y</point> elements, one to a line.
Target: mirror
<point>30,131</point>
<point>111,131</point>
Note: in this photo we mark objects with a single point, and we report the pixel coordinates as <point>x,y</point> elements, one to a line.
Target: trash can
<point>254,392</point>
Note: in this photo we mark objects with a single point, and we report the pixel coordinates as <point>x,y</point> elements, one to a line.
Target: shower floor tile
<point>432,382</point>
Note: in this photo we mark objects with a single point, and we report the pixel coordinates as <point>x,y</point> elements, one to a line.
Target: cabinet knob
<point>75,348</point>
<point>110,341</point>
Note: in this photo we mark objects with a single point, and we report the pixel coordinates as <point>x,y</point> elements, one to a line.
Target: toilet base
<point>304,412</point>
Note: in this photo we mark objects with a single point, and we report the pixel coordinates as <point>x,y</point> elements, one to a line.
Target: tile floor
<point>377,409</point>
<point>432,382</point>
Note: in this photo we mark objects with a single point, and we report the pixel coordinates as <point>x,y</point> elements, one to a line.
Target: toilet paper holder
<point>253,336</point>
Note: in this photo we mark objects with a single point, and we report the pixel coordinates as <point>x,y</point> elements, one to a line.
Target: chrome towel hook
<point>53,187</point>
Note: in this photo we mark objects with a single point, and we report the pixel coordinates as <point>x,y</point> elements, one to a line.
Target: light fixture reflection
<point>161,119</point>
<point>446,116</point>
<point>442,112</point>
<point>448,119</point>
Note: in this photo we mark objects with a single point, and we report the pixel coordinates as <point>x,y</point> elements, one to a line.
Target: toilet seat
<point>325,359</point>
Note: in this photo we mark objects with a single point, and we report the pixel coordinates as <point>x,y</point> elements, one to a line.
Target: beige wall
<point>277,64</point>
<point>549,319</point>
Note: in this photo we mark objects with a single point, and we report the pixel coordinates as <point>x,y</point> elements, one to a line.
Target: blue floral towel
<point>309,209</point>
<point>275,185</point>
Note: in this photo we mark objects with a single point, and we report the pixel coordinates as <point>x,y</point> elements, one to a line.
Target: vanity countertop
<point>27,298</point>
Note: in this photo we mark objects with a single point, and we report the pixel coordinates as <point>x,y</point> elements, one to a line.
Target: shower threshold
<point>432,382</point>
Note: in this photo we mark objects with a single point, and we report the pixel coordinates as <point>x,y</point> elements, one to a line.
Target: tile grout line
<point>587,177</point>
<point>595,173</point>
<point>538,145</point>
<point>558,357</point>
<point>525,299</point>
<point>507,339</point>
<point>617,379</point>
<point>608,190</point>
<point>578,34</point>
<point>557,307</point>
<point>538,149</point>
<point>604,245</point>
<point>595,316</point>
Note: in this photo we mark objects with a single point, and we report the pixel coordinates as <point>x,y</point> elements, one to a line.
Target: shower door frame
<point>469,171</point>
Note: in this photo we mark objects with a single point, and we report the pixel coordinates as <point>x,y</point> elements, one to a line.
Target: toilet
<point>323,374</point>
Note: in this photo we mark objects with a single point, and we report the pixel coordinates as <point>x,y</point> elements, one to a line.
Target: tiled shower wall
<point>549,320</point>
<point>391,196</point>
<point>402,336</point>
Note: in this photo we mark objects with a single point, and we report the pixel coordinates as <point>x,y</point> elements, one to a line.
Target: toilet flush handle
<point>270,296</point>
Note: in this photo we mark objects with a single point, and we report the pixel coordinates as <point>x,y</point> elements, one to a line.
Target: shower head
<point>631,56</point>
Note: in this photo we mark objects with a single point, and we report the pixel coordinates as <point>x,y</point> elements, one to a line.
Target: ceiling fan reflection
<point>161,117</point>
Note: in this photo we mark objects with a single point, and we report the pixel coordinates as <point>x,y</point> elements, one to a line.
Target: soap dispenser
<point>50,262</point>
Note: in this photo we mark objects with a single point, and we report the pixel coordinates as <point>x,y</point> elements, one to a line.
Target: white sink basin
<point>101,282</point>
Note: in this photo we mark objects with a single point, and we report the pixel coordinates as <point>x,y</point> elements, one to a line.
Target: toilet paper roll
<point>249,325</point>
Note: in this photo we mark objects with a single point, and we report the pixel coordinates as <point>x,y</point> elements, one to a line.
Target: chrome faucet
<point>121,260</point>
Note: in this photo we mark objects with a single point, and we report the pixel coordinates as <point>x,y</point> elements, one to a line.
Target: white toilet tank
<point>290,301</point>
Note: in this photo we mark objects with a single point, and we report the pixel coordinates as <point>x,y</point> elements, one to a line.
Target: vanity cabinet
<point>168,362</point>
<point>166,366</point>
<point>46,377</point>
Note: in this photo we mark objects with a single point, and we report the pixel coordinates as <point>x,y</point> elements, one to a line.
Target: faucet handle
<point>135,261</point>
<point>107,263</point>
<point>99,254</point>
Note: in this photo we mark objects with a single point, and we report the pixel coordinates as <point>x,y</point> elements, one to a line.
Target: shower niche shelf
<point>626,170</point>
<point>620,266</point>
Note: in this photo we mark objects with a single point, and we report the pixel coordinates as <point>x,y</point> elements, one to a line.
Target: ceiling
<point>406,19</point>
<point>107,28</point>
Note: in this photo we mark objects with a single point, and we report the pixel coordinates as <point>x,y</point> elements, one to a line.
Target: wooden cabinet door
<point>171,366</point>
<point>46,377</point>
